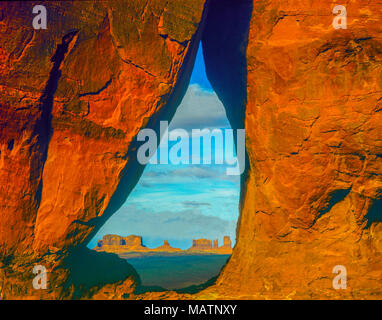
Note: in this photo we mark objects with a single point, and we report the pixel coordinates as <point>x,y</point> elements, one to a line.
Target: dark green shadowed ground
<point>178,271</point>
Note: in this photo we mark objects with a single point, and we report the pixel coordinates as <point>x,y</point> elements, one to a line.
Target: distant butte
<point>206,245</point>
<point>132,245</point>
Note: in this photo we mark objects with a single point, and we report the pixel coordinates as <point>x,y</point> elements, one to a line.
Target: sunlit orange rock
<point>73,98</point>
<point>211,246</point>
<point>126,246</point>
<point>118,244</point>
<point>166,247</point>
<point>312,196</point>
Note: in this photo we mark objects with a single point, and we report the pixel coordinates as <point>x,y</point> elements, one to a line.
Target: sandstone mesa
<point>127,246</point>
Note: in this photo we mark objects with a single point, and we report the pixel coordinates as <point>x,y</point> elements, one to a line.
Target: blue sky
<point>199,72</point>
<point>183,202</point>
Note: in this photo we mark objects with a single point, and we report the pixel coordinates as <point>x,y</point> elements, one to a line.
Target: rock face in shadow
<point>74,97</point>
<point>314,141</point>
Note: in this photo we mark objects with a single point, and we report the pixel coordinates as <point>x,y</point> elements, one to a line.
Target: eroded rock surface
<point>124,245</point>
<point>314,140</point>
<point>74,97</point>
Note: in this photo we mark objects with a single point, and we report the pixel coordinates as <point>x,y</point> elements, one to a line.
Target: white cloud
<point>183,225</point>
<point>199,109</point>
<point>184,173</point>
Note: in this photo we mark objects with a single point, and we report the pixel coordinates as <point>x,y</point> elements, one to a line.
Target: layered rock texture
<point>211,246</point>
<point>115,243</point>
<point>311,199</point>
<point>123,245</point>
<point>126,246</point>
<point>74,96</point>
<point>201,244</point>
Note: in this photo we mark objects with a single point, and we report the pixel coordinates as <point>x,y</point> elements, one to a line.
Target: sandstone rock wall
<point>211,246</point>
<point>314,142</point>
<point>123,245</point>
<point>201,244</point>
<point>74,97</point>
<point>115,240</point>
<point>227,242</point>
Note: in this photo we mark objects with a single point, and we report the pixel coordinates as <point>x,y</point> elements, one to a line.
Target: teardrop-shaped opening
<point>177,227</point>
